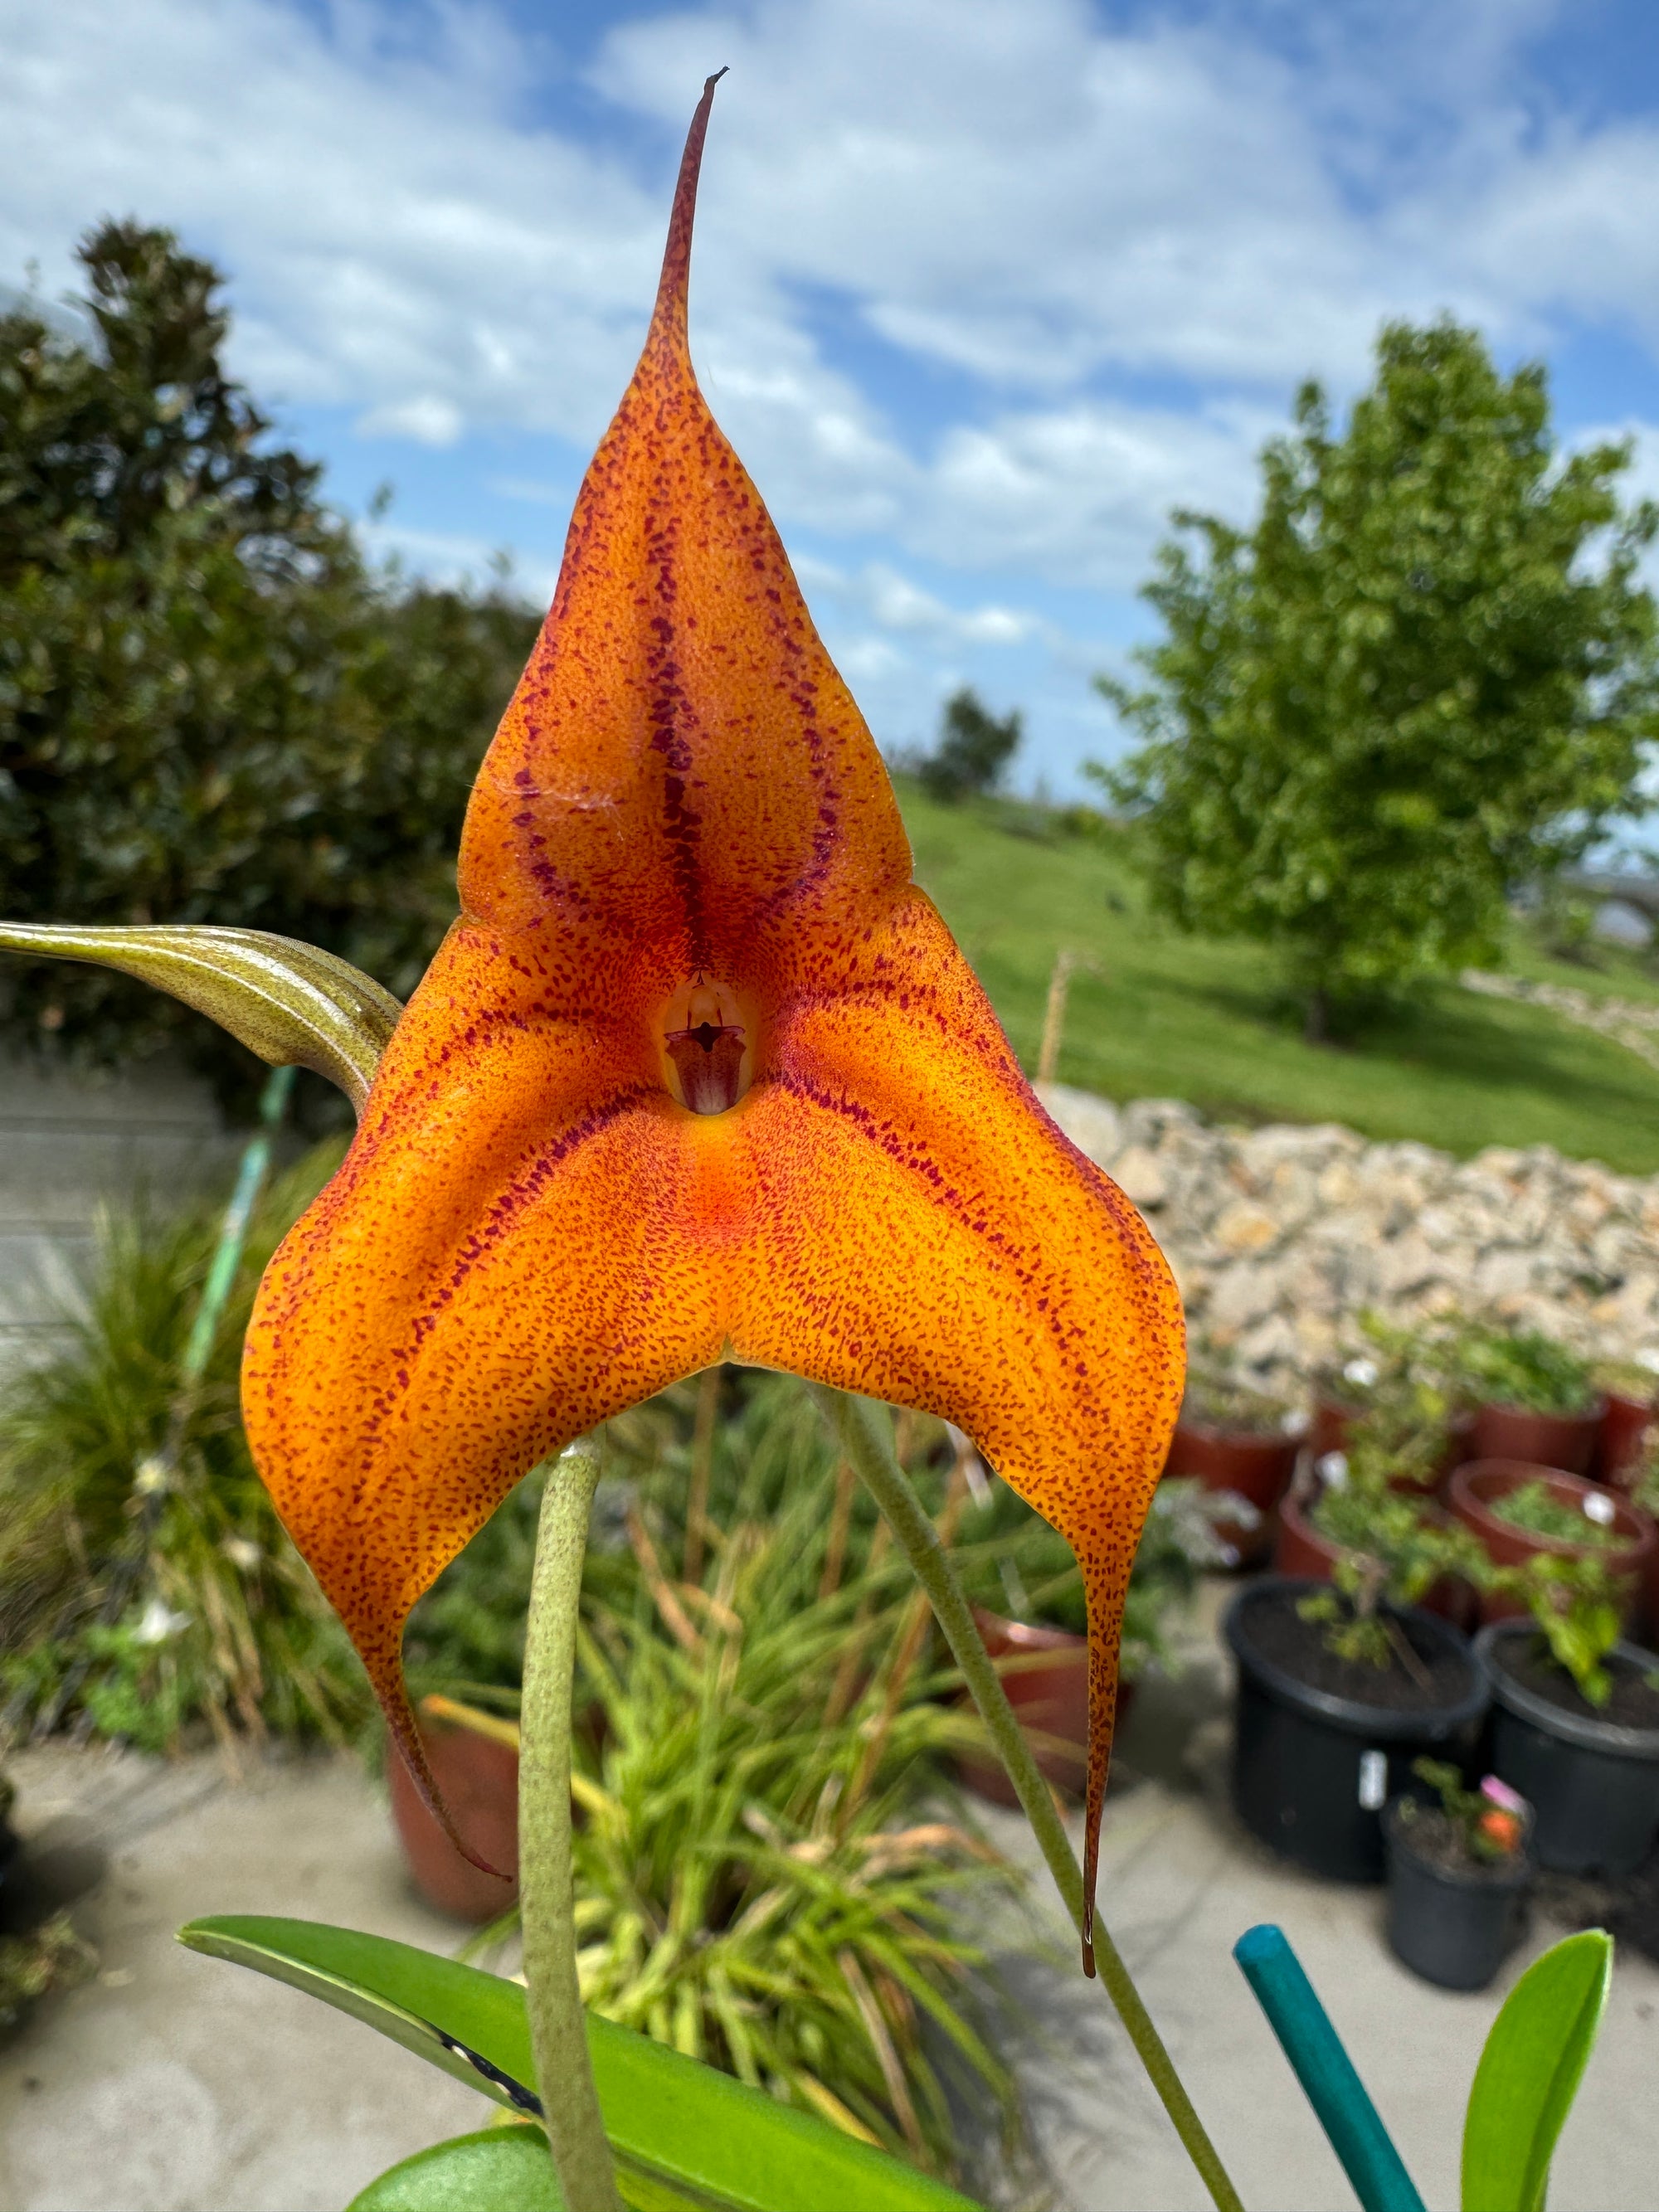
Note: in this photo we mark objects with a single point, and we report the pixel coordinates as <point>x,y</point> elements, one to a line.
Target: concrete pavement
<point>173,2083</point>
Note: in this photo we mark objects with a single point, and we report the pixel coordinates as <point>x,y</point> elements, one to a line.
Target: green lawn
<point>1207,1020</point>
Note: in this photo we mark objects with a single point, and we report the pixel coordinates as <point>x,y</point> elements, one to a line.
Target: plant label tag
<point>1373,1779</point>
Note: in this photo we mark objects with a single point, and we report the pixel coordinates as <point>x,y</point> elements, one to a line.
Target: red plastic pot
<point>1332,1423</point>
<point>1299,1549</point>
<point>1568,1441</point>
<point>478,1780</point>
<point>1624,1432</point>
<point>1258,1468</point>
<point>1478,1486</point>
<point>1045,1672</point>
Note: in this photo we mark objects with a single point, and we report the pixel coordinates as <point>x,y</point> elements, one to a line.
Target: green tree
<point>974,747</point>
<point>1426,675</point>
<point>210,708</point>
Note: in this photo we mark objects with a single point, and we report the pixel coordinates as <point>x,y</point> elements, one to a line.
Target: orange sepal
<point>919,1230</point>
<point>532,1232</point>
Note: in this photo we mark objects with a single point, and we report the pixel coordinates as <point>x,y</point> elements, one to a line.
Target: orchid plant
<point>698,1074</point>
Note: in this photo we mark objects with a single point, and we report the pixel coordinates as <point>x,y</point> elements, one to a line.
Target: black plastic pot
<point>1311,1771</point>
<point>1455,1929</point>
<point>1593,1786</point>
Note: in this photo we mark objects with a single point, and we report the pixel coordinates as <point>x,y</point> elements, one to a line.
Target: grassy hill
<point>1208,1020</point>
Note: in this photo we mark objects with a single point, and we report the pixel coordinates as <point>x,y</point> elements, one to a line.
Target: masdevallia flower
<point>698,1074</point>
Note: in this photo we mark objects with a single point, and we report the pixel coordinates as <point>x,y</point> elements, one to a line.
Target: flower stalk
<point>558,2029</point>
<point>862,1430</point>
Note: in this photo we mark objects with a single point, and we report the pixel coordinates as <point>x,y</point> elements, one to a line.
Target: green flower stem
<point>866,1436</point>
<point>558,2032</point>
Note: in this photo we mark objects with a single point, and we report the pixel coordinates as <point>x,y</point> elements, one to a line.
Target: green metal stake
<point>232,1231</point>
<point>1326,2072</point>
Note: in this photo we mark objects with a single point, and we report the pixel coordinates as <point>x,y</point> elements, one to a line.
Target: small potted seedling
<point>1233,1437</point>
<point>1341,1684</point>
<point>1535,1399</point>
<point>1520,1512</point>
<point>1395,1390</point>
<point>1575,1716</point>
<point>1458,1871</point>
<point>1395,1539</point>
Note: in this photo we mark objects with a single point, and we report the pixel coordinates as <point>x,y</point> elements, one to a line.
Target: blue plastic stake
<point>1326,2072</point>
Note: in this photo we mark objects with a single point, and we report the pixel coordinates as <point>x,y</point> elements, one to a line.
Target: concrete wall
<point>69,1143</point>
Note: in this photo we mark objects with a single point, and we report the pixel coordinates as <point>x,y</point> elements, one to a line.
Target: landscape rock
<point>1140,1175</point>
<point>1280,1238</point>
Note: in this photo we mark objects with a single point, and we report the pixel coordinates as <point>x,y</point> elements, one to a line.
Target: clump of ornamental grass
<point>770,1874</point>
<point>145,1596</point>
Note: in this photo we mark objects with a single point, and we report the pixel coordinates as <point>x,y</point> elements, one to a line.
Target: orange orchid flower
<point>699,1074</point>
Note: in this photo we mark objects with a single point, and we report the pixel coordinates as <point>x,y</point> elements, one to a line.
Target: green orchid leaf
<point>497,2170</point>
<point>293,1003</point>
<point>685,2135</point>
<point>1529,2072</point>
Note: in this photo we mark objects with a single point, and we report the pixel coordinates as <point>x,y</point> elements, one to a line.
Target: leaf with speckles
<point>684,830</point>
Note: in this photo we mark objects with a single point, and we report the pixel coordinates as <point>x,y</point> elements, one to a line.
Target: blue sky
<point>983,288</point>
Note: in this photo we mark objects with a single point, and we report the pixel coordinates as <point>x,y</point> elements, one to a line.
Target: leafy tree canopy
<point>1425,675</point>
<point>974,747</point>
<point>210,708</point>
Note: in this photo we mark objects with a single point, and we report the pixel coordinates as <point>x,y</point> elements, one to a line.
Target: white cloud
<point>401,239</point>
<point>1003,186</point>
<point>982,284</point>
<point>895,603</point>
<point>449,557</point>
<point>427,421</point>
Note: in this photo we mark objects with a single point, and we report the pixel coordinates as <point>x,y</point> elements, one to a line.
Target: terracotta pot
<point>1300,1549</point>
<point>1048,1690</point>
<point>1333,1422</point>
<point>1475,1488</point>
<point>1258,1468</point>
<point>1624,1432</point>
<point>1562,1440</point>
<point>478,1780</point>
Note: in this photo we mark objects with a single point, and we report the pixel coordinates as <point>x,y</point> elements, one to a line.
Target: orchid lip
<point>707,1057</point>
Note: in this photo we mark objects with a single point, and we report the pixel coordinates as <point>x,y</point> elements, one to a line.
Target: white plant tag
<point>1599,1508</point>
<point>1373,1780</point>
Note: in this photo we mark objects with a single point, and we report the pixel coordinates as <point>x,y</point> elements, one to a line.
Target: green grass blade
<point>497,2170</point>
<point>1529,2074</point>
<point>683,2134</point>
